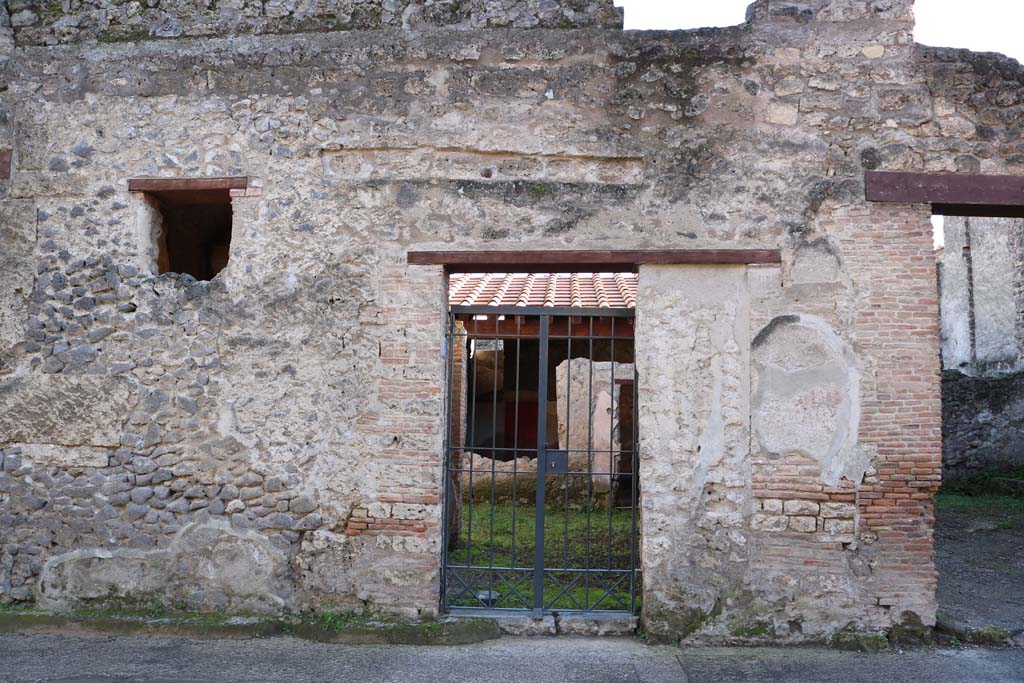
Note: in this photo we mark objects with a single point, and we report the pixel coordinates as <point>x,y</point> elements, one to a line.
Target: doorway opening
<point>979,513</point>
<point>541,489</point>
<point>979,518</point>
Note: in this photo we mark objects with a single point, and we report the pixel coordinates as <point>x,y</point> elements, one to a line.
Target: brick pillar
<point>888,252</point>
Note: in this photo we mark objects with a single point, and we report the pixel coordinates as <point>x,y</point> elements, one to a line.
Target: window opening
<point>189,223</point>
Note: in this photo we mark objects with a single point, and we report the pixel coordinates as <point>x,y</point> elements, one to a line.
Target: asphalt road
<point>516,660</point>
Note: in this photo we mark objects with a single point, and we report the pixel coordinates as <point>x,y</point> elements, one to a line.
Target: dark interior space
<point>502,390</point>
<point>196,234</point>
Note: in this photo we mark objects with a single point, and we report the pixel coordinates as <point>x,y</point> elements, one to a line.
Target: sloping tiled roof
<point>579,290</point>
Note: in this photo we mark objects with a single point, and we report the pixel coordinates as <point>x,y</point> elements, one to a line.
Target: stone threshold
<point>557,624</point>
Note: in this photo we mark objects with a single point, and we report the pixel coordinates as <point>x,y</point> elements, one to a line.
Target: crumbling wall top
<point>830,10</point>
<point>834,22</point>
<point>50,23</point>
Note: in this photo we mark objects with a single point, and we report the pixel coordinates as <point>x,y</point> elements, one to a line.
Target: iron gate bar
<point>515,444</point>
<point>542,466</point>
<point>534,337</point>
<point>568,432</point>
<point>494,440</point>
<point>461,579</point>
<point>565,589</point>
<point>590,458</point>
<point>563,570</point>
<point>634,483</point>
<point>611,440</point>
<point>446,469</point>
<point>470,442</point>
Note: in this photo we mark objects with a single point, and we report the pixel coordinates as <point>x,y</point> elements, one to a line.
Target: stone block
<point>838,526</point>
<point>838,510</point>
<point>243,567</point>
<point>302,505</point>
<point>800,507</point>
<point>769,523</point>
<point>803,524</point>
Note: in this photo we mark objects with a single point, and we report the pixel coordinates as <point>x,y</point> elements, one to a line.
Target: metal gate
<point>540,471</point>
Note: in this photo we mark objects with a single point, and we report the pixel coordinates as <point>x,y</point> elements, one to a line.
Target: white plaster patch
<point>396,163</point>
<point>808,396</point>
<point>816,262</point>
<point>53,455</point>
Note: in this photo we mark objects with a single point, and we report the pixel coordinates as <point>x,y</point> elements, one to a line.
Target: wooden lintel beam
<point>957,190</point>
<point>555,260</point>
<point>186,184</point>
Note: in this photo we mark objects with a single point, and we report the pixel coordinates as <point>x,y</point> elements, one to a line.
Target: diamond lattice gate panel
<point>541,490</point>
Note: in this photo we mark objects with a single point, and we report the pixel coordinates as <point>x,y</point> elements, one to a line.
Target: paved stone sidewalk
<point>522,660</point>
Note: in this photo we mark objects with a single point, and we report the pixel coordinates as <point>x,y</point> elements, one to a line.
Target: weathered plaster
<point>694,439</point>
<point>807,396</point>
<point>207,566</point>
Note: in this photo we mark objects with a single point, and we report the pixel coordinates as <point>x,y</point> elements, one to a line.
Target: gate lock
<point>557,462</point>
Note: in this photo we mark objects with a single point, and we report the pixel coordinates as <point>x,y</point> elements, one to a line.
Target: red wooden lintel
<point>954,190</point>
<point>565,260</point>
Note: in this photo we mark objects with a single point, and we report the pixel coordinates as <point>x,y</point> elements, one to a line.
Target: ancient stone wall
<point>292,408</point>
<point>108,21</point>
<point>982,422</point>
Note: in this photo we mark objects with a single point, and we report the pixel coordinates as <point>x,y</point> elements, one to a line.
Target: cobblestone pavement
<point>517,660</point>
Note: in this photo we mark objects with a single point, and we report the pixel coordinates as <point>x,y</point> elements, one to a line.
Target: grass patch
<point>575,538</point>
<point>984,482</point>
<point>333,621</point>
<point>986,495</point>
<point>1005,512</point>
<point>19,608</point>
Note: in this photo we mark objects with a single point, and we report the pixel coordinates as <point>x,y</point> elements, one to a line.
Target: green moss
<point>330,625</point>
<point>18,608</point>
<point>757,629</point>
<point>431,628</point>
<point>51,11</point>
<point>123,34</point>
<point>911,631</point>
<point>671,626</point>
<point>857,641</point>
<point>332,621</point>
<point>988,635</point>
<point>124,607</point>
<point>27,621</point>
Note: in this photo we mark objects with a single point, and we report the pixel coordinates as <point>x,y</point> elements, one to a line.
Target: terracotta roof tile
<point>576,290</point>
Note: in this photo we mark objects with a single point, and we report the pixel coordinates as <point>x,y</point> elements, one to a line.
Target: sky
<point>981,25</point>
